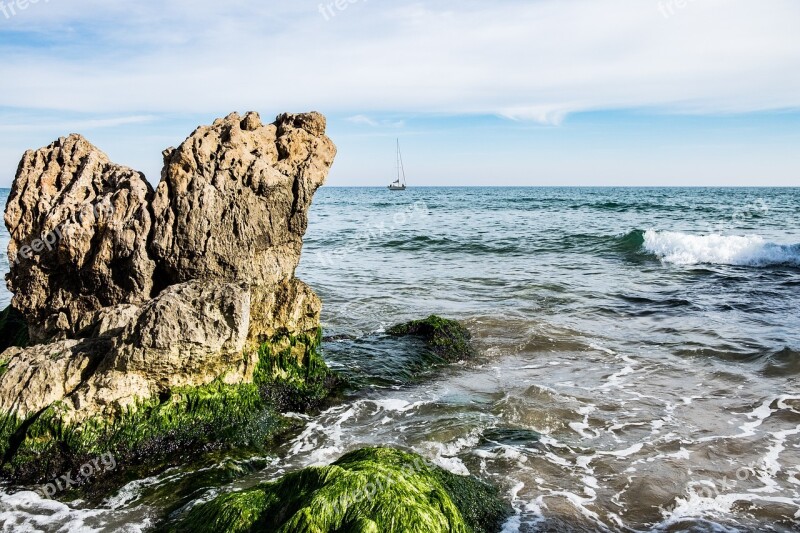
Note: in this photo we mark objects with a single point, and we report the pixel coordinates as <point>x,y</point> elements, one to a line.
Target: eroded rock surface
<point>79,226</point>
<point>234,197</point>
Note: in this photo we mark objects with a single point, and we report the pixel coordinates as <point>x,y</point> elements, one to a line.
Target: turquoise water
<point>639,354</point>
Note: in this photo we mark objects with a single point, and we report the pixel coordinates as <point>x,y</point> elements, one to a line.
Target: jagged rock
<point>192,321</point>
<point>234,197</point>
<point>109,321</point>
<point>79,227</point>
<point>189,336</point>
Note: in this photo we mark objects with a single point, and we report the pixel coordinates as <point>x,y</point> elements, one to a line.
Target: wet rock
<point>79,227</point>
<point>374,489</point>
<point>446,338</point>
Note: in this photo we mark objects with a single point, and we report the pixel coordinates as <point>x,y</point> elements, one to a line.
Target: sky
<point>507,92</point>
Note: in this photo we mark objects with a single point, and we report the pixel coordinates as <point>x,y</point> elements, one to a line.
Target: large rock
<point>190,335</point>
<point>234,197</point>
<point>79,227</point>
<point>173,313</point>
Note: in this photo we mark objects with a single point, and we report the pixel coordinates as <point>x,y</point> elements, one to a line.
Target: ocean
<point>638,367</point>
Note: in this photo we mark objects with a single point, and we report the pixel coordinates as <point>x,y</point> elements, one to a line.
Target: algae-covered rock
<point>446,338</point>
<point>13,329</point>
<point>169,320</point>
<point>370,490</point>
<point>164,430</point>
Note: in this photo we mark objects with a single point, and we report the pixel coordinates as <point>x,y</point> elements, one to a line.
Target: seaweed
<point>369,490</point>
<point>160,432</point>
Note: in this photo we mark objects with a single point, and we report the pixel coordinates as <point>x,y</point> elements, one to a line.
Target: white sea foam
<point>749,250</point>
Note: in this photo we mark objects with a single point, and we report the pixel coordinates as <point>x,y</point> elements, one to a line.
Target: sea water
<point>638,367</point>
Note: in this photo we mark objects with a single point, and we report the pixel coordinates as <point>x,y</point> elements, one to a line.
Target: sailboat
<point>400,183</point>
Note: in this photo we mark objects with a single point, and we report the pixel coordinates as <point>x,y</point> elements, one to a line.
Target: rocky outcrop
<point>234,197</point>
<point>148,308</point>
<point>79,227</point>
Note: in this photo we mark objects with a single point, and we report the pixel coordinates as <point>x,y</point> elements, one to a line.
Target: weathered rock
<point>189,336</point>
<point>38,376</point>
<point>234,197</point>
<point>109,321</point>
<point>195,331</point>
<point>290,307</point>
<point>79,227</point>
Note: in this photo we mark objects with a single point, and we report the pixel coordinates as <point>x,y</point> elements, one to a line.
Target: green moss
<point>370,490</point>
<point>446,338</point>
<point>13,329</point>
<point>160,432</point>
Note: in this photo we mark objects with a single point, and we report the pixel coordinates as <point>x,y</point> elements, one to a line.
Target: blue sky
<point>544,92</point>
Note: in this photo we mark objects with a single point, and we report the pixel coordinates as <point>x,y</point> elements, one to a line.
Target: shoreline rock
<point>167,319</point>
<point>446,338</point>
<point>371,490</point>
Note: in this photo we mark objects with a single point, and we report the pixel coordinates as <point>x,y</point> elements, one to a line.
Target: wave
<point>684,249</point>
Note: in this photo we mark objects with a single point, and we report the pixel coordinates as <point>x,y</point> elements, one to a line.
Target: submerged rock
<point>370,490</point>
<point>446,338</point>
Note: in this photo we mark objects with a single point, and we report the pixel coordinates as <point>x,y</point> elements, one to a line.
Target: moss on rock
<point>159,432</point>
<point>13,329</point>
<point>446,338</point>
<point>370,490</point>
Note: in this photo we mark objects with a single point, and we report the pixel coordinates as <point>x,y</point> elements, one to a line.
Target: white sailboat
<point>400,183</point>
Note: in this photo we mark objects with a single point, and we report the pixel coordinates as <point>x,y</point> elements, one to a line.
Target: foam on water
<point>749,250</point>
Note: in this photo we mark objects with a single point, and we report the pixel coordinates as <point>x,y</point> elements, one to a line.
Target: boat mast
<point>400,168</point>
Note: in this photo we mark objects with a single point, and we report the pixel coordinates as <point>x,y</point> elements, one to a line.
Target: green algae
<point>369,490</point>
<point>13,329</point>
<point>161,432</point>
<point>446,338</point>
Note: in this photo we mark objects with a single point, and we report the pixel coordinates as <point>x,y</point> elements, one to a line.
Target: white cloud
<point>364,120</point>
<point>528,60</point>
<point>77,125</point>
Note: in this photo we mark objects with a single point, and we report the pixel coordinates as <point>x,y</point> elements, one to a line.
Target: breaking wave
<point>751,250</point>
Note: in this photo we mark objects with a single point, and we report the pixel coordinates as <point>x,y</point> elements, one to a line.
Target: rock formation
<point>137,297</point>
<point>79,227</point>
